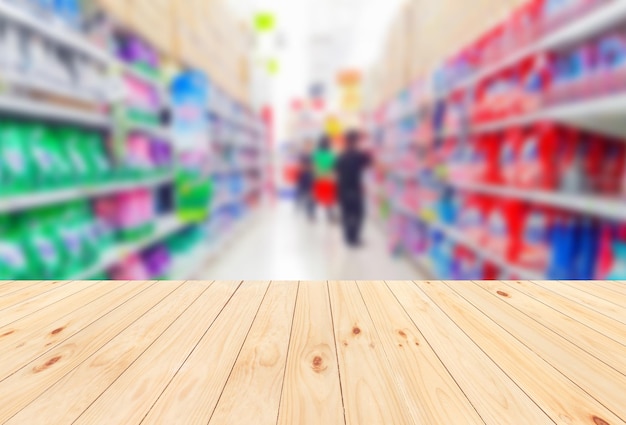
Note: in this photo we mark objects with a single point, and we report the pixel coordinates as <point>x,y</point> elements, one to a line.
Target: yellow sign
<point>333,126</point>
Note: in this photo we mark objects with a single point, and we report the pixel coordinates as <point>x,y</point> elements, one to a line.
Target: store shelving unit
<point>396,125</point>
<point>164,227</point>
<point>34,97</point>
<point>51,197</point>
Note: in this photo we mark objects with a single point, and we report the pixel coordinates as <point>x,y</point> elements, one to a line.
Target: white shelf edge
<point>34,200</point>
<point>32,108</point>
<point>614,209</point>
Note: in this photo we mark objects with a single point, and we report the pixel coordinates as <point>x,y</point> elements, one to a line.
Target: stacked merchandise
<point>238,162</point>
<point>518,160</point>
<point>86,159</point>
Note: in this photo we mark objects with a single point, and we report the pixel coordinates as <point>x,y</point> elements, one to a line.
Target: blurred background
<point>164,139</point>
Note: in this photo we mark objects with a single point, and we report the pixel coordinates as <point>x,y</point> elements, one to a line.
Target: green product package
<point>18,168</point>
<point>94,151</point>
<point>47,173</point>
<point>13,262</point>
<point>72,243</point>
<point>193,196</point>
<point>42,245</point>
<point>72,145</point>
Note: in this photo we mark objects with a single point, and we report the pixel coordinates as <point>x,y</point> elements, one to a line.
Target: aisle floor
<point>281,244</point>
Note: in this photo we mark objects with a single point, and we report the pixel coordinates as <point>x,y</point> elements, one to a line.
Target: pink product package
<point>132,268</point>
<point>134,208</point>
<point>139,152</point>
<point>142,94</point>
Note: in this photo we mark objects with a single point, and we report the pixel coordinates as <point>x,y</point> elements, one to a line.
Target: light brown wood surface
<point>312,353</point>
<point>311,391</point>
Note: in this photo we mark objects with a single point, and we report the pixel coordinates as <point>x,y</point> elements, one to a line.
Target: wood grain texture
<point>30,337</point>
<point>128,353</point>
<point>25,385</point>
<point>618,287</point>
<point>593,342</point>
<point>555,394</point>
<point>496,397</point>
<point>577,311</point>
<point>136,391</point>
<point>585,370</point>
<point>311,392</point>
<point>70,396</point>
<point>26,290</point>
<point>610,293</point>
<point>608,308</point>
<point>370,396</point>
<point>430,392</point>
<point>192,395</point>
<point>11,286</point>
<point>29,306</point>
<point>256,380</point>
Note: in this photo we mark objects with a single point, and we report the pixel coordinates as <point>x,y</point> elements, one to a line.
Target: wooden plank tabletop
<point>319,353</point>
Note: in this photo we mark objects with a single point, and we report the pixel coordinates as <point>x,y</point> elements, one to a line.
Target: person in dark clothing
<point>306,182</point>
<point>350,167</point>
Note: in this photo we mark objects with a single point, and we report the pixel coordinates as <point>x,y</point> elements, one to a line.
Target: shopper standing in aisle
<point>306,181</point>
<point>325,189</point>
<point>351,166</point>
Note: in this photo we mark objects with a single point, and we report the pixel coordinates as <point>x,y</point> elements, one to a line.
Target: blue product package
<point>563,243</point>
<point>588,244</point>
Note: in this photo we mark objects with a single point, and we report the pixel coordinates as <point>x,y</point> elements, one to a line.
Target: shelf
<point>159,132</point>
<point>461,239</point>
<point>39,84</point>
<point>47,111</point>
<point>599,19</point>
<point>604,114</point>
<point>165,227</point>
<point>40,199</point>
<point>54,31</point>
<point>605,207</point>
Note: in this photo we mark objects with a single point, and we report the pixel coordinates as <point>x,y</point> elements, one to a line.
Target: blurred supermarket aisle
<point>282,245</point>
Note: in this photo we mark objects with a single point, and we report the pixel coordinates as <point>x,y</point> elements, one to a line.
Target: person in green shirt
<point>324,160</point>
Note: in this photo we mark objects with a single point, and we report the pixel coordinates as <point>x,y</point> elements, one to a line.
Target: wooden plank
<point>24,386</point>
<point>496,397</point>
<point>5,282</point>
<point>11,286</point>
<point>256,380</point>
<point>600,305</point>
<point>619,287</point>
<point>311,392</point>
<point>595,377</point>
<point>429,390</point>
<point>599,345</point>
<point>69,397</point>
<point>192,395</point>
<point>370,395</point>
<point>28,290</point>
<point>598,289</point>
<point>579,312</point>
<point>30,337</point>
<point>560,398</point>
<point>32,305</point>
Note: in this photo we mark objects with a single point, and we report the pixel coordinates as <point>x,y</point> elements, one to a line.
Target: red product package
<point>612,168</point>
<point>489,147</point>
<point>593,147</point>
<point>536,166</point>
<point>500,228</point>
<point>508,156</point>
<point>530,245</point>
<point>472,217</point>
